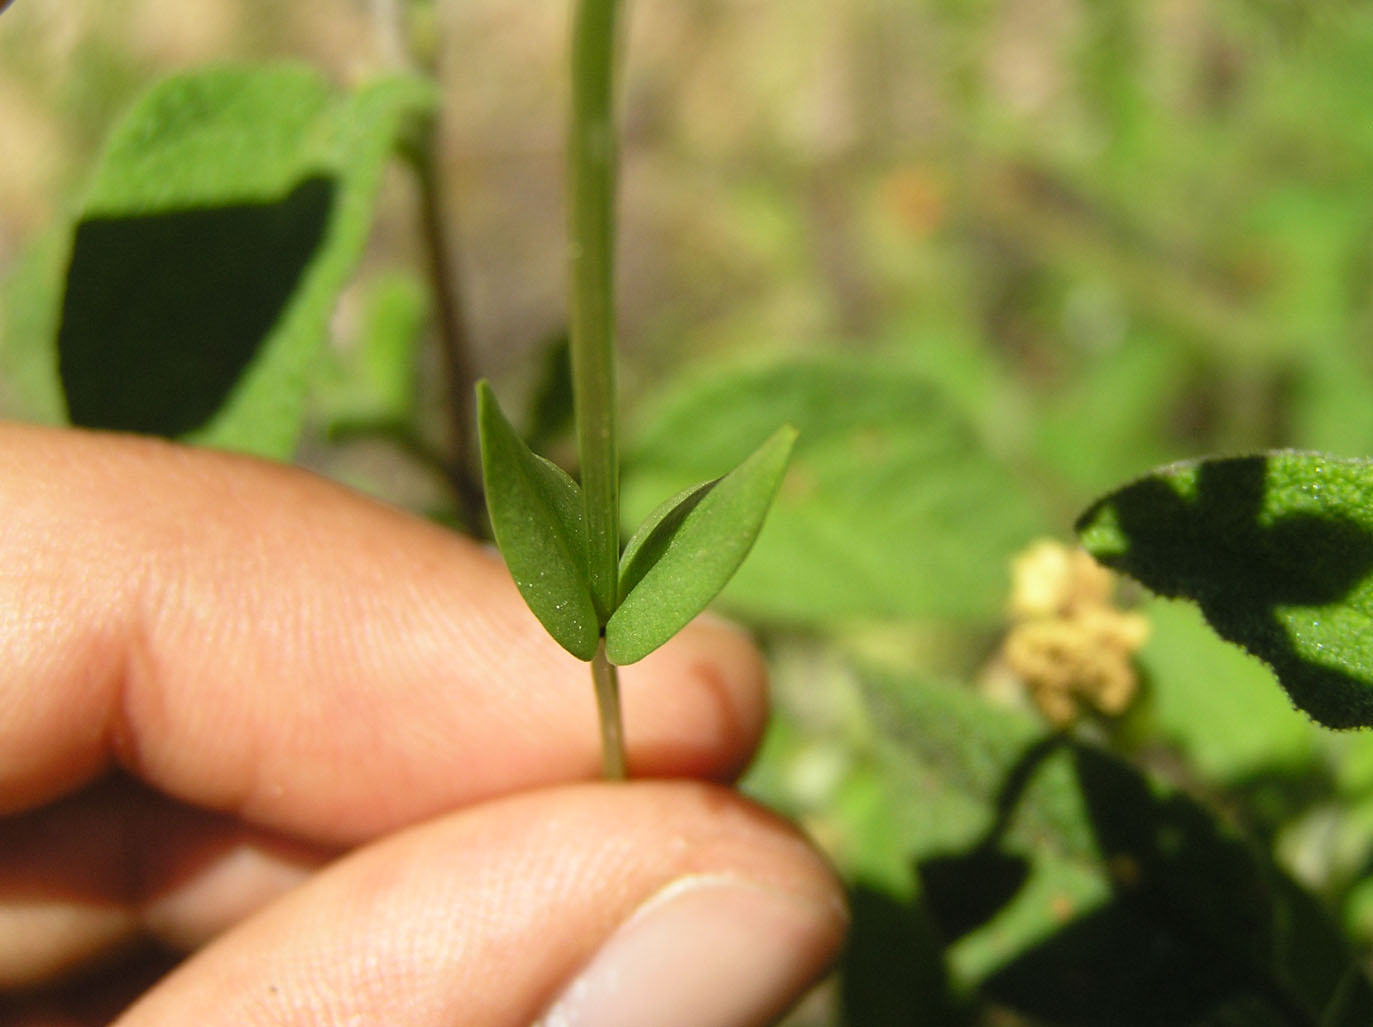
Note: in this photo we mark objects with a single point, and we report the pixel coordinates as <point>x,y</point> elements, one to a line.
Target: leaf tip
<point>485,394</point>
<point>1099,532</point>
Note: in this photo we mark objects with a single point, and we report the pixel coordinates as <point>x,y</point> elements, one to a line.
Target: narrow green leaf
<point>689,548</point>
<point>536,514</point>
<point>226,213</point>
<point>1276,549</point>
<point>656,533</point>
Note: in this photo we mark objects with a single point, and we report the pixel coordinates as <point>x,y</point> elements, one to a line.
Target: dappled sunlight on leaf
<point>1277,551</point>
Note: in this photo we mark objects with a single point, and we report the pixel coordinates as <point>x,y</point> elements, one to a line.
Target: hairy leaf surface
<point>1276,549</point>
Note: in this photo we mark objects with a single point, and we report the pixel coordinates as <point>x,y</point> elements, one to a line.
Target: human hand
<point>323,745</point>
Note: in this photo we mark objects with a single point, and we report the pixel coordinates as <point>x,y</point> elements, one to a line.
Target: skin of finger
<point>96,999</point>
<point>483,916</point>
<point>251,638</point>
<point>117,865</point>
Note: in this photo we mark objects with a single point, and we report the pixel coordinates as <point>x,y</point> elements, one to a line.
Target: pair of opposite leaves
<point>674,565</point>
<point>1276,549</point>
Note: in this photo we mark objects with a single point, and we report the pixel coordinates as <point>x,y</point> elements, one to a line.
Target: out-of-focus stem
<point>423,151</point>
<point>454,342</point>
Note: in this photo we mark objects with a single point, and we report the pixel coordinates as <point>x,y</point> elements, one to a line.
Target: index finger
<point>255,639</point>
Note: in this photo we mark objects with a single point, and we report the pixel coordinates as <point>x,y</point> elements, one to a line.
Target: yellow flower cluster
<point>1068,644</point>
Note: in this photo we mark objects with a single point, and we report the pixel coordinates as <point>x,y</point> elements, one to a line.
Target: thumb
<point>665,903</point>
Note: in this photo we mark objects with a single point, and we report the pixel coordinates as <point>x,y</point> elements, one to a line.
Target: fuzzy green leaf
<point>225,215</point>
<point>1276,549</point>
<point>689,549</point>
<point>536,514</point>
<point>891,508</point>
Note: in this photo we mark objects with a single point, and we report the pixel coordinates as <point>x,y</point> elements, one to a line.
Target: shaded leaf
<point>1201,928</point>
<point>893,970</point>
<point>689,549</point>
<point>224,217</point>
<point>1064,883</point>
<point>137,356</point>
<point>1277,550</point>
<point>536,514</point>
<point>890,508</point>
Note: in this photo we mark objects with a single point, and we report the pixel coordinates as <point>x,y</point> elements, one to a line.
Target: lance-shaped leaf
<point>1276,549</point>
<point>536,514</point>
<point>687,550</point>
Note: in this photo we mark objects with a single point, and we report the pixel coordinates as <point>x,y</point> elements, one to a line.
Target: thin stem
<point>591,235</point>
<point>422,150</point>
<point>607,679</point>
<point>454,342</point>
<point>591,255</point>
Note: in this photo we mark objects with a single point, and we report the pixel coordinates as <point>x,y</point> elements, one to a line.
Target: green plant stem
<point>591,255</point>
<point>591,235</point>
<point>607,679</point>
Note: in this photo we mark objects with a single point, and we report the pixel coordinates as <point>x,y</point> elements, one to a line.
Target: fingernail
<point>703,952</point>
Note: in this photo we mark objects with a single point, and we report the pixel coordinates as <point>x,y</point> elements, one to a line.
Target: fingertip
<point>497,915</point>
<point>244,636</point>
<point>697,707</point>
<point>705,951</point>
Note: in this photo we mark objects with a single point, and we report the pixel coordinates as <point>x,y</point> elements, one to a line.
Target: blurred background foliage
<point>993,257</point>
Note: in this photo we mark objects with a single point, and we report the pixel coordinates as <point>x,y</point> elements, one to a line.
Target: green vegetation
<point>1277,550</point>
<point>560,538</point>
<point>990,261</point>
